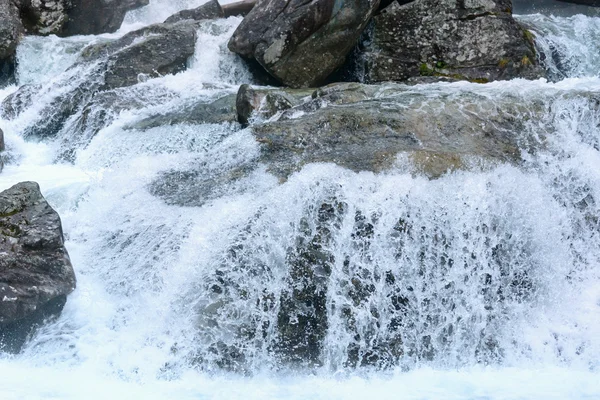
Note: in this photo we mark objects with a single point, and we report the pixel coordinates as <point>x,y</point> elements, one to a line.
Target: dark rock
<point>11,31</point>
<point>91,17</point>
<point>35,271</point>
<point>209,10</point>
<point>301,43</point>
<point>476,40</point>
<point>239,8</point>
<point>150,52</point>
<point>75,17</point>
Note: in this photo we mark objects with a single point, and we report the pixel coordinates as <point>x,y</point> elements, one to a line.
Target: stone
<point>36,274</point>
<point>11,31</point>
<point>210,10</point>
<point>367,127</point>
<point>476,40</point>
<point>302,43</point>
<point>153,51</point>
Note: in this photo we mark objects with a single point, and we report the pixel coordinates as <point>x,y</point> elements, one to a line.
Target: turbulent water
<point>496,273</point>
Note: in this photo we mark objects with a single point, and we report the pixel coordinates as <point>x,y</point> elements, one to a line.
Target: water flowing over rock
<point>35,271</point>
<point>474,40</point>
<point>210,10</point>
<point>365,128</point>
<point>149,52</point>
<point>302,43</point>
<point>10,33</point>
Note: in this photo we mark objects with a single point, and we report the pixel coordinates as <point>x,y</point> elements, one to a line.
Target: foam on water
<point>143,321</point>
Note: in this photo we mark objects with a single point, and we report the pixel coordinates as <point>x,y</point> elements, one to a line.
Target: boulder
<point>75,17</point>
<point>153,51</point>
<point>36,274</point>
<point>210,10</point>
<point>149,52</point>
<point>302,43</point>
<point>11,31</point>
<point>476,40</point>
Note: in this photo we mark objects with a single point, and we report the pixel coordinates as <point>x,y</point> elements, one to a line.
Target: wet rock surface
<point>35,271</point>
<point>149,52</point>
<point>11,30</point>
<point>476,40</point>
<point>366,127</point>
<point>301,43</point>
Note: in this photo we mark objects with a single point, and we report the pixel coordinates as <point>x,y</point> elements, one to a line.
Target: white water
<point>143,318</point>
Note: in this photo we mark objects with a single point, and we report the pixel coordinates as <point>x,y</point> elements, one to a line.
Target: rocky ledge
<point>36,274</point>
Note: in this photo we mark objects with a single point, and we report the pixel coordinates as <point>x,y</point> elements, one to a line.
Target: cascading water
<point>474,285</point>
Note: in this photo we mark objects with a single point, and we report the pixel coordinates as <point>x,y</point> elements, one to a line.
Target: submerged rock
<point>475,40</point>
<point>201,112</point>
<point>302,43</point>
<point>36,274</point>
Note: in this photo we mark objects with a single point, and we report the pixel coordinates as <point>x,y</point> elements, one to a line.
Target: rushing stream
<point>497,272</point>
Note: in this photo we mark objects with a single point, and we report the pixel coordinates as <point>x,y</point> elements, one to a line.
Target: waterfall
<point>478,284</point>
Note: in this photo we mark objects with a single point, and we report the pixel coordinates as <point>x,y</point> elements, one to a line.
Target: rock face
<point>364,128</point>
<point>209,10</point>
<point>10,33</point>
<point>302,43</point>
<point>156,50</point>
<point>35,271</point>
<point>476,40</point>
<point>149,52</point>
<point>75,17</point>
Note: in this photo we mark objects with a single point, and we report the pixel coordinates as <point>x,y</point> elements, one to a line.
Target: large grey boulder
<point>11,30</point>
<point>476,40</point>
<point>365,128</point>
<point>301,43</point>
<point>36,274</point>
<point>75,17</point>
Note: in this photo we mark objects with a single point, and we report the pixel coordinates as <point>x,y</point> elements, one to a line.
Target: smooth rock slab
<point>36,274</point>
